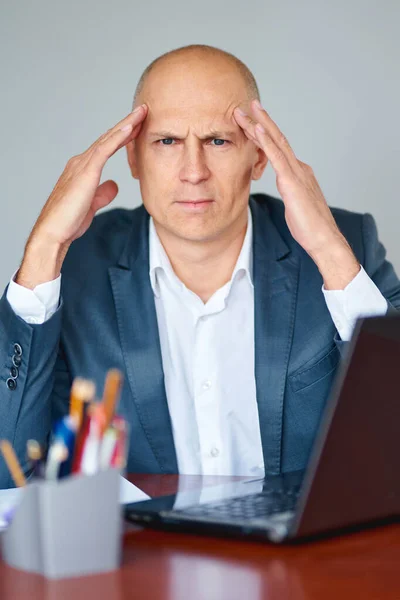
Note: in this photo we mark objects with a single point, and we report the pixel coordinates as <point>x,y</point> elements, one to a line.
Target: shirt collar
<point>159,260</point>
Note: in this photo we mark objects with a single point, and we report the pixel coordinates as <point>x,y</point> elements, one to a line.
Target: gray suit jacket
<point>107,318</point>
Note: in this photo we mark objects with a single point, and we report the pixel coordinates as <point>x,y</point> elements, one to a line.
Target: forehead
<point>193,92</point>
<point>197,115</point>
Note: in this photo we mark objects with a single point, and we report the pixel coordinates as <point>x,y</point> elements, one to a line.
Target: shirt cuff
<point>34,306</point>
<point>360,298</point>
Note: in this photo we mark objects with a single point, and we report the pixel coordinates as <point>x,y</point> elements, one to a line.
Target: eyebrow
<point>212,134</point>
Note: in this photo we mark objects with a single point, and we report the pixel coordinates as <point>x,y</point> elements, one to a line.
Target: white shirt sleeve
<point>360,298</point>
<point>37,305</point>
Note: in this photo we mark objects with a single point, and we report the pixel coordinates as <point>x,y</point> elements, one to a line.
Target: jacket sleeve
<point>40,379</point>
<point>379,269</point>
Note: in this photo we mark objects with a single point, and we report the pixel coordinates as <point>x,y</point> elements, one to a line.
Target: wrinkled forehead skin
<point>193,96</point>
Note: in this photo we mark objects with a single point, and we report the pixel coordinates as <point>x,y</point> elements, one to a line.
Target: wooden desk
<point>159,565</point>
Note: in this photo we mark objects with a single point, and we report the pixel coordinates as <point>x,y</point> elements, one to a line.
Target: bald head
<point>199,57</point>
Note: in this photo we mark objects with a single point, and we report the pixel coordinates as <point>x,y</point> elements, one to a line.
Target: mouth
<point>199,204</point>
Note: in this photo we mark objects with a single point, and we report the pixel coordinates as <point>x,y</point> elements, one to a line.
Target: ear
<point>261,161</point>
<point>131,153</point>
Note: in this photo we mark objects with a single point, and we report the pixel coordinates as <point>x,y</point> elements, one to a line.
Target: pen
<point>12,463</point>
<point>107,448</point>
<point>81,438</point>
<point>35,456</point>
<point>65,431</point>
<point>120,454</point>
<point>58,453</point>
<point>91,449</point>
<point>82,396</point>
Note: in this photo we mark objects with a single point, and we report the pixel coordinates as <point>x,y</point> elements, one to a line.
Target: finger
<point>105,194</point>
<point>272,128</point>
<point>137,115</point>
<point>247,124</point>
<point>134,119</point>
<point>131,136</point>
<point>263,140</point>
<point>276,156</point>
<point>252,137</point>
<point>107,147</point>
<point>134,133</point>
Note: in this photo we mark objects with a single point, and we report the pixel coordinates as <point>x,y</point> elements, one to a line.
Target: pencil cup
<point>67,528</point>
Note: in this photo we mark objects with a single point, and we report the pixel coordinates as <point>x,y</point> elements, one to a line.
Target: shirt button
<point>206,385</point>
<point>11,384</point>
<point>16,360</point>
<point>14,372</point>
<point>17,349</point>
<point>214,452</point>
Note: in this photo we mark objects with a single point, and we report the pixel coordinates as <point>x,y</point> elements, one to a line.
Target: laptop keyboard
<point>245,508</point>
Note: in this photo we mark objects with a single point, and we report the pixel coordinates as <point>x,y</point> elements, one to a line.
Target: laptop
<point>352,479</point>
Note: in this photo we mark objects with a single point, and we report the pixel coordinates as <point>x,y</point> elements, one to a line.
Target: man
<point>226,316</point>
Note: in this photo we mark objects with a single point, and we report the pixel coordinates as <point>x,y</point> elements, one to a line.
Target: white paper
<point>128,493</point>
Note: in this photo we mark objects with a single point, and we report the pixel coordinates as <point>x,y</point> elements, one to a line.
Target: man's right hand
<point>73,203</point>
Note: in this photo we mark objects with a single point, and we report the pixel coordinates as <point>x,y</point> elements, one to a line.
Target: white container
<point>67,528</point>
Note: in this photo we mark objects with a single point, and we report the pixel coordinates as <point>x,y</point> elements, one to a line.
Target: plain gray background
<point>328,75</point>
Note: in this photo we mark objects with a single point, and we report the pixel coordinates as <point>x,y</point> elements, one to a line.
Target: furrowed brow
<point>212,134</point>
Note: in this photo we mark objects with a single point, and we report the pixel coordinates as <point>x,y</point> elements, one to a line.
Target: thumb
<point>104,194</point>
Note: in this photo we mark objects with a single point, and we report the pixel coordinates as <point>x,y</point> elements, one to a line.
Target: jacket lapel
<point>275,275</point>
<point>138,330</point>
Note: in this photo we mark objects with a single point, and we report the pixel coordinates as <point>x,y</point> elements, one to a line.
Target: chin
<point>194,232</point>
<point>191,235</point>
<point>193,229</point>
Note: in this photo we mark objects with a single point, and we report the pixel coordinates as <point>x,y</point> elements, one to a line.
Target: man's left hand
<point>307,213</point>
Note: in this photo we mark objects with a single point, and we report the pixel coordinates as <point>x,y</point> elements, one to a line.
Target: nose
<point>194,168</point>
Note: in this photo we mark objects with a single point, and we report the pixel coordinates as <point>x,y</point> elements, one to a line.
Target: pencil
<point>112,389</point>
<point>82,391</point>
<point>12,463</point>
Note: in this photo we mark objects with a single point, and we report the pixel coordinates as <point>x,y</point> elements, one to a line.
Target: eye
<point>169,141</point>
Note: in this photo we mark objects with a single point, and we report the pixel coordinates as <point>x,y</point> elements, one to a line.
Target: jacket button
<point>17,349</point>
<point>14,372</point>
<point>11,384</point>
<point>16,360</point>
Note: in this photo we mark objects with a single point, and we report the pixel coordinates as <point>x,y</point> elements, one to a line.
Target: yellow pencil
<point>112,389</point>
<point>12,463</point>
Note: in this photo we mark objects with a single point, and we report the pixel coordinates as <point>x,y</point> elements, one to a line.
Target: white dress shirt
<point>208,355</point>
<point>208,359</point>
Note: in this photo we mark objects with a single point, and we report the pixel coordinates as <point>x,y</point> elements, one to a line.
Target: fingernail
<point>258,104</point>
<point>137,109</point>
<point>260,128</point>
<point>126,127</point>
<point>241,112</point>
